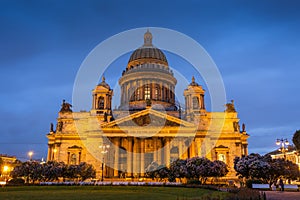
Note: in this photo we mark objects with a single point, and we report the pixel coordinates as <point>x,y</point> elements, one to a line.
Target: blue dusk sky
<point>255,45</point>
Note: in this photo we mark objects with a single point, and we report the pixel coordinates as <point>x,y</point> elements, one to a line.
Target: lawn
<point>104,192</point>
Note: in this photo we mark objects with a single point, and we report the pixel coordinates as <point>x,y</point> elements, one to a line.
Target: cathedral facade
<point>148,126</point>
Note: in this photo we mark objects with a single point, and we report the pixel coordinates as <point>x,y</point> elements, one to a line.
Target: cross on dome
<point>193,83</point>
<point>148,38</point>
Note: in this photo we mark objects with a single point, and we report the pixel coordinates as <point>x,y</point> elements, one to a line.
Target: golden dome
<point>147,53</point>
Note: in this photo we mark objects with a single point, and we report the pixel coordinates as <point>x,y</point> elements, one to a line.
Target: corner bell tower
<point>102,96</point>
<point>194,100</point>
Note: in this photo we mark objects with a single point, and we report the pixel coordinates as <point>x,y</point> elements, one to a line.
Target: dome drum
<point>135,93</point>
<point>149,67</point>
<point>147,78</point>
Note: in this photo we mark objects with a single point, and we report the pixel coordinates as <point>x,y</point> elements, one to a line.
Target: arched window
<point>156,92</point>
<point>195,102</point>
<point>131,94</point>
<point>73,159</point>
<point>101,103</point>
<point>147,92</point>
<point>166,95</point>
<point>138,94</point>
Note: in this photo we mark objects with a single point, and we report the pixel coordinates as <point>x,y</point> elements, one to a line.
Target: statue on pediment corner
<point>230,107</point>
<point>65,107</point>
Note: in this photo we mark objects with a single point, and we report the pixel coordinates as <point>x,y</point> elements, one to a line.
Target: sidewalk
<point>278,195</point>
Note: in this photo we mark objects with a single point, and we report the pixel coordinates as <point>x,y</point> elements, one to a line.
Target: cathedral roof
<point>148,51</point>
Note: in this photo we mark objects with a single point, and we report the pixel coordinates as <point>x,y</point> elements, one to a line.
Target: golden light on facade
<point>149,125</point>
<point>5,169</point>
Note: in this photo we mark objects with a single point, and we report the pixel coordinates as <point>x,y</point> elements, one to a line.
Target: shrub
<point>16,181</point>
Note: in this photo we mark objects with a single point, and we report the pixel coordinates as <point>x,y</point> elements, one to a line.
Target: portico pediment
<point>148,118</point>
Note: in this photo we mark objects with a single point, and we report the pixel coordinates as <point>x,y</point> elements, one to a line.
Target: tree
<point>86,171</point>
<point>291,170</point>
<point>178,169</point>
<point>218,169</point>
<point>52,170</point>
<point>162,172</point>
<point>157,171</point>
<point>296,139</point>
<point>72,172</point>
<point>243,165</point>
<point>199,168</point>
<point>265,168</point>
<point>30,170</point>
<point>151,170</point>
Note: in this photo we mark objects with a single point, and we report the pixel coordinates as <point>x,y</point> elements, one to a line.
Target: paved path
<point>277,195</point>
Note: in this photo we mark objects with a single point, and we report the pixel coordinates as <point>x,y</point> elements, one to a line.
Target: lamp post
<point>30,153</point>
<point>104,150</point>
<point>283,143</point>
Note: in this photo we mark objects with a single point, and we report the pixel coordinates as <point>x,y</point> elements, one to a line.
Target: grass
<point>105,192</point>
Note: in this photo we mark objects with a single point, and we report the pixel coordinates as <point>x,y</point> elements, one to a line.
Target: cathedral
<point>148,125</point>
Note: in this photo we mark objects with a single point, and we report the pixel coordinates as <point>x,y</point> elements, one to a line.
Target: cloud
<point>263,139</point>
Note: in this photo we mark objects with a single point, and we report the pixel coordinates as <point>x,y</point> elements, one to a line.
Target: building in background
<point>148,126</point>
<point>290,154</point>
<point>7,165</point>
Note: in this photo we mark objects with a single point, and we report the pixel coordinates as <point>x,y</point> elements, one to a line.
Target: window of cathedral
<point>73,159</point>
<point>101,103</point>
<point>222,157</point>
<point>147,92</point>
<point>174,153</point>
<point>166,95</point>
<point>195,102</point>
<point>131,94</point>
<point>156,92</point>
<point>137,97</point>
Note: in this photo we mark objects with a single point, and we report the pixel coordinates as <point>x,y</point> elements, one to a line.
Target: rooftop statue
<point>65,107</point>
<point>230,107</point>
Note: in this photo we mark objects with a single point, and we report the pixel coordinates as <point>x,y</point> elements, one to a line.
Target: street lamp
<point>283,143</point>
<point>104,150</point>
<point>30,153</point>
